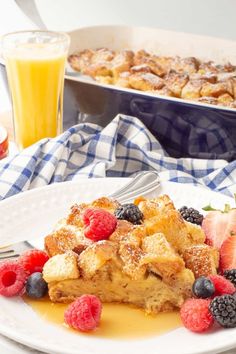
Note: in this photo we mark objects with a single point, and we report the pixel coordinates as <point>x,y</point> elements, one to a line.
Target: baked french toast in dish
<point>188,78</point>
<point>151,264</point>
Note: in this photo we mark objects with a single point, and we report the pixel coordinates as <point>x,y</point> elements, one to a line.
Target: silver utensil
<point>29,8</point>
<point>141,184</point>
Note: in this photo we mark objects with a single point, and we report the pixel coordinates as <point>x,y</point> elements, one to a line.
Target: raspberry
<point>33,260</point>
<point>12,278</point>
<point>222,285</point>
<point>84,313</point>
<point>99,223</point>
<point>195,315</point>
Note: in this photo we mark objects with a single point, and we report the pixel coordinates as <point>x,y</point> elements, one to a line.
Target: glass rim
<point>64,36</point>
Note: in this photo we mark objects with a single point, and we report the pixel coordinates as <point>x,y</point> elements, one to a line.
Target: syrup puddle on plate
<point>118,321</point>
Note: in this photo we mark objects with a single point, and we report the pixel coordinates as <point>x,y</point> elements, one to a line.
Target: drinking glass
<point>35,64</point>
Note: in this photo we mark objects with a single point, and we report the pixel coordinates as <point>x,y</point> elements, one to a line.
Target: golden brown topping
<point>105,80</point>
<point>192,89</point>
<point>225,99</point>
<point>121,63</point>
<point>95,256</point>
<point>195,232</point>
<point>228,67</point>
<point>99,69</point>
<point>61,267</point>
<point>105,203</point>
<point>131,257</point>
<point>185,65</point>
<point>232,83</point>
<point>215,90</point>
<point>155,67</point>
<point>140,57</point>
<point>165,91</point>
<point>142,68</point>
<point>209,77</point>
<point>79,61</point>
<point>160,256</point>
<point>175,82</point>
<point>123,79</point>
<point>75,216</point>
<point>165,62</point>
<point>145,81</point>
<point>60,241</point>
<point>187,78</point>
<point>122,229</point>
<point>203,260</point>
<point>208,67</point>
<point>102,55</point>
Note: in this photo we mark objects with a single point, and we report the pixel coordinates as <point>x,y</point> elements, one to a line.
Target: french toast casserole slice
<point>151,266</point>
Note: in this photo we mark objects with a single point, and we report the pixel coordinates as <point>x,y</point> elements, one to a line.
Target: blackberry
<point>231,275</point>
<point>191,215</point>
<point>129,212</point>
<point>203,288</point>
<point>223,309</point>
<point>36,287</point>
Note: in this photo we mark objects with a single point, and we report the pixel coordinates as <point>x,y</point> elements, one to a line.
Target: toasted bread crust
<point>201,259</point>
<point>152,265</point>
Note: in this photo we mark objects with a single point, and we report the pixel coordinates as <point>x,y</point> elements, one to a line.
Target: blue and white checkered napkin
<point>123,147</point>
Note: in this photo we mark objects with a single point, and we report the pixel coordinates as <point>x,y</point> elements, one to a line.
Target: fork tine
<point>10,256</point>
<point>5,252</point>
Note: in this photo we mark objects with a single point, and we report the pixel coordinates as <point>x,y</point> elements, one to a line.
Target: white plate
<point>33,214</point>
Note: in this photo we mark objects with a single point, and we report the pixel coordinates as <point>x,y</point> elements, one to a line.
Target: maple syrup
<point>117,321</point>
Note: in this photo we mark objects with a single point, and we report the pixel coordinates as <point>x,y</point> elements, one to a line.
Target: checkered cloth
<point>123,147</point>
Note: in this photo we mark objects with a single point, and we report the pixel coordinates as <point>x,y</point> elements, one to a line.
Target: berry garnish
<point>223,309</point>
<point>129,212</point>
<point>228,254</point>
<point>84,313</point>
<point>203,288</point>
<point>36,287</point>
<point>222,285</point>
<point>33,260</point>
<point>195,315</point>
<point>3,142</point>
<point>230,274</point>
<point>12,278</point>
<point>99,224</point>
<point>191,215</point>
<point>218,226</point>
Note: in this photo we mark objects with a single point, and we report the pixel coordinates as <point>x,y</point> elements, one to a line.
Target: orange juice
<point>35,63</point>
<point>36,88</point>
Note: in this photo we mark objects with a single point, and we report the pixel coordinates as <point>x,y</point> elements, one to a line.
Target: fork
<point>141,184</point>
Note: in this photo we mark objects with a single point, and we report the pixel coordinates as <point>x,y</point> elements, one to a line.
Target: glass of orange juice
<point>35,64</point>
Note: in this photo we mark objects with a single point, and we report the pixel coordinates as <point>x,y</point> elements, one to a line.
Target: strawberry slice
<point>228,254</point>
<point>218,226</point>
